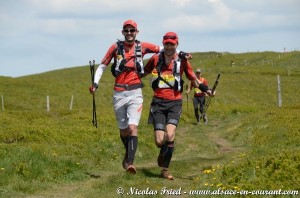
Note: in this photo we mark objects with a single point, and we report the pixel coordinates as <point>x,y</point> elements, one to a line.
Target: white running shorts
<point>128,107</point>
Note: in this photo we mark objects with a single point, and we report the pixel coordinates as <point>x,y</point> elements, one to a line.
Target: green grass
<point>249,143</point>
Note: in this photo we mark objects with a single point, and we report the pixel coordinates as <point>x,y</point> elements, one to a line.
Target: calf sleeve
<point>168,153</point>
<point>197,114</point>
<point>132,147</point>
<point>125,142</point>
<point>163,149</point>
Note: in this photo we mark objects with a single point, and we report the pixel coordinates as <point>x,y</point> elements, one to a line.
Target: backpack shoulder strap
<point>118,65</point>
<point>176,66</point>
<point>120,48</point>
<point>138,50</point>
<point>160,63</point>
<point>176,72</point>
<point>138,63</point>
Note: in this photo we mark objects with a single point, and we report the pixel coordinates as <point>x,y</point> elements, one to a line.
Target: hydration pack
<point>119,64</point>
<point>175,83</point>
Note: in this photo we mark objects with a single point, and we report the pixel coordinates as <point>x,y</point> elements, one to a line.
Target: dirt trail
<point>223,145</point>
<point>78,189</point>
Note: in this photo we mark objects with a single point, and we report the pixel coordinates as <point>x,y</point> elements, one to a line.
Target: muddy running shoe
<point>166,175</point>
<point>205,120</point>
<point>131,169</point>
<point>160,160</point>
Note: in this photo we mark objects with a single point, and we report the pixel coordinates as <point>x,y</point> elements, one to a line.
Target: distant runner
<point>199,98</point>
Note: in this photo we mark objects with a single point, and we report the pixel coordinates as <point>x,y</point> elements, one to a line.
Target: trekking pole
<point>187,101</point>
<point>187,98</point>
<point>92,69</point>
<point>209,97</point>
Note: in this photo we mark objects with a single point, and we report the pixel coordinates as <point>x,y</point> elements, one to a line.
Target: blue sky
<point>43,35</point>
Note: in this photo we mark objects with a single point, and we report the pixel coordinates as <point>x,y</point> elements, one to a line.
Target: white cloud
<point>181,2</point>
<point>66,32</point>
<point>220,10</point>
<point>88,7</point>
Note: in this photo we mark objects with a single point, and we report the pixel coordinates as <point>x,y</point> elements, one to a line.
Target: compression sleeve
<point>203,87</point>
<point>99,73</point>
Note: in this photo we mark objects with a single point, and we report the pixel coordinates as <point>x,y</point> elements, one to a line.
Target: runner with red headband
<point>167,69</point>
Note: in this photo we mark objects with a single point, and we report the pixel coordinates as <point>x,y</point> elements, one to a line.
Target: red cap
<point>130,22</point>
<point>170,37</point>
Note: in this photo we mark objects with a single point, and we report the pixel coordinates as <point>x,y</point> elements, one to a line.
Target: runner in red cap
<point>127,97</point>
<point>199,98</point>
<point>167,69</point>
<point>130,22</point>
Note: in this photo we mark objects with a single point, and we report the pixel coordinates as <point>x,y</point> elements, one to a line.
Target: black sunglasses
<point>170,37</point>
<point>129,30</point>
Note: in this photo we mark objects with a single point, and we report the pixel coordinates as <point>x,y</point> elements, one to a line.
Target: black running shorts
<point>164,112</point>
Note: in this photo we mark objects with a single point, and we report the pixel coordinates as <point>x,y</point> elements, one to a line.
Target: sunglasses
<point>129,30</point>
<point>170,37</point>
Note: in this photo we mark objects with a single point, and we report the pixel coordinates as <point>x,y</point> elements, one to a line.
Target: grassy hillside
<point>249,143</point>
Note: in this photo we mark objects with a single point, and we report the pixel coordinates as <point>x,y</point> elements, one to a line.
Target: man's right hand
<point>93,88</point>
<point>210,93</point>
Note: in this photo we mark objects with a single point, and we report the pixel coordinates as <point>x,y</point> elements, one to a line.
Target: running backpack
<point>119,64</point>
<point>160,82</point>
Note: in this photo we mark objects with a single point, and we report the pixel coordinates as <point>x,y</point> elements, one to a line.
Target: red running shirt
<point>169,93</point>
<point>128,77</point>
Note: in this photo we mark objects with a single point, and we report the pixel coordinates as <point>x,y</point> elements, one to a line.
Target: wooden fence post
<point>279,91</point>
<point>48,103</point>
<point>71,104</point>
<point>2,99</point>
